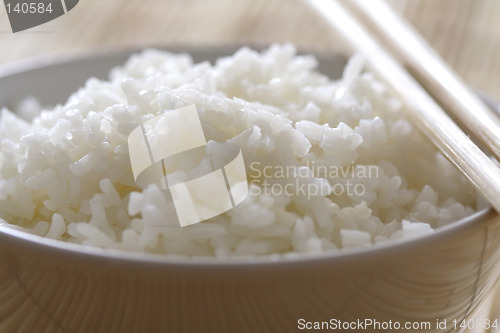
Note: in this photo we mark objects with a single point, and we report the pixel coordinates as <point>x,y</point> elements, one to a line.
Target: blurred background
<point>465,32</point>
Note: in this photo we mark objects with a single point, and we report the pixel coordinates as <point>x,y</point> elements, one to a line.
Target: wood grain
<point>465,32</point>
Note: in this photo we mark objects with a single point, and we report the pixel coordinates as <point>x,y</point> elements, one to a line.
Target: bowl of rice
<point>353,220</point>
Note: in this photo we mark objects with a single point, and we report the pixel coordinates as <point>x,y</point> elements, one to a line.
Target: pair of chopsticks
<point>483,173</point>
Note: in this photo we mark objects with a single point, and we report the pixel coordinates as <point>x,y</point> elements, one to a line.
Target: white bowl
<point>52,286</point>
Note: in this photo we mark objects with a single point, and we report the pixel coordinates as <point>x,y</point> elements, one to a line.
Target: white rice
<point>65,173</point>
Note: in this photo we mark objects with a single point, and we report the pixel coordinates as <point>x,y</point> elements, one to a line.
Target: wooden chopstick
<point>424,111</point>
<point>427,66</point>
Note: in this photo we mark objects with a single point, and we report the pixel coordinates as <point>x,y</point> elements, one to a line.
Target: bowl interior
<point>52,82</point>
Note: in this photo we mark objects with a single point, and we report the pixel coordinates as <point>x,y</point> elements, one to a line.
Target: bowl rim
<point>221,50</point>
<point>16,238</point>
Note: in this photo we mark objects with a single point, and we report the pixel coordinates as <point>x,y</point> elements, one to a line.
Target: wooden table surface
<point>465,32</point>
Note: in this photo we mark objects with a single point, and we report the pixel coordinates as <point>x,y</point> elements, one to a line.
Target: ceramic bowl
<point>427,284</point>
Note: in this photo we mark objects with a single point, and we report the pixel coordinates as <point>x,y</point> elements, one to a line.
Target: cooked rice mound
<point>65,173</point>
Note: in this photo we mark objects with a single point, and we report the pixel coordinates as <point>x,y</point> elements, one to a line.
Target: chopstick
<point>423,110</point>
<point>432,71</point>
